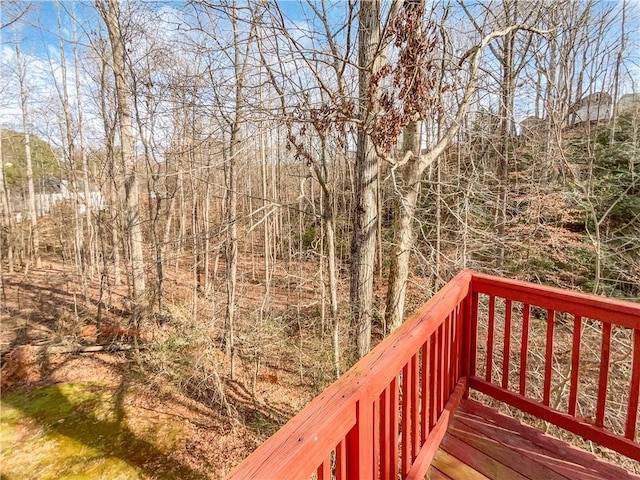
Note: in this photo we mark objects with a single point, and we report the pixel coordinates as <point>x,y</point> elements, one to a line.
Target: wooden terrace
<point>407,410</point>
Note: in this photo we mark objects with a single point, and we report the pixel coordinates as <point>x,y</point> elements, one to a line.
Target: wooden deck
<point>389,415</point>
<point>482,443</point>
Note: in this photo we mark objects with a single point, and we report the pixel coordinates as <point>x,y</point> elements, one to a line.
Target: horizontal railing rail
<point>572,313</point>
<point>387,415</point>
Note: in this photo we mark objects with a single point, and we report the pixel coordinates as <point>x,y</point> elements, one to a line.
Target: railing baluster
<point>460,311</point>
<point>385,434</point>
<point>447,359</point>
<point>506,344</point>
<point>406,418</point>
<point>548,357</point>
<point>441,371</point>
<point>575,364</point>
<point>524,348</point>
<point>376,438</point>
<point>604,373</point>
<point>341,461</point>
<point>452,351</point>
<point>634,392</point>
<point>473,334</point>
<point>433,378</point>
<point>457,328</point>
<point>359,441</point>
<point>426,373</point>
<point>415,408</point>
<point>394,404</point>
<point>324,470</point>
<point>490,327</point>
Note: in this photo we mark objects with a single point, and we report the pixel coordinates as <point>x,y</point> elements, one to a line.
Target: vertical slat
<point>385,433</point>
<point>634,392</point>
<point>446,327</point>
<point>394,404</point>
<point>506,344</point>
<point>459,339</point>
<point>426,372</point>
<point>341,461</point>
<point>359,441</point>
<point>365,436</point>
<point>551,319</point>
<point>376,439</point>
<point>490,327</point>
<point>604,373</point>
<point>473,334</point>
<point>452,352</point>
<point>433,379</point>
<point>575,364</point>
<point>441,370</point>
<point>324,470</point>
<point>524,349</point>
<point>415,409</point>
<point>406,418</point>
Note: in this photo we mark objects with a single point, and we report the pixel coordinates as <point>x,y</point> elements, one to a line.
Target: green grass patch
<point>85,431</point>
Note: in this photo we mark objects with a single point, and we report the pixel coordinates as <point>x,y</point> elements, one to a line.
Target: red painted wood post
<point>447,359</point>
<point>385,434</point>
<point>490,328</point>
<point>524,348</point>
<point>506,350</point>
<point>466,331</point>
<point>451,355</point>
<point>324,470</point>
<point>341,461</point>
<point>394,404</point>
<point>575,364</point>
<point>441,371</point>
<point>406,418</point>
<point>460,329</point>
<point>426,394</point>
<point>375,460</point>
<point>548,357</point>
<point>473,334</point>
<point>604,374</point>
<point>360,441</point>
<point>433,378</point>
<point>634,391</point>
<point>415,408</point>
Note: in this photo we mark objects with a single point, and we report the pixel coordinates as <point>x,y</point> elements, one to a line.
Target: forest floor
<point>69,411</point>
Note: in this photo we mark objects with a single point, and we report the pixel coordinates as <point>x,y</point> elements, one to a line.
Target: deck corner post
<point>468,334</point>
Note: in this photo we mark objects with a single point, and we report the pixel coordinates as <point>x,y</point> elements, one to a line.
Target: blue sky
<point>38,39</point>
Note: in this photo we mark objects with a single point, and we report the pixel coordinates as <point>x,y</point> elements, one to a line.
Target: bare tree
<point>33,221</point>
<point>110,13</point>
<point>416,73</point>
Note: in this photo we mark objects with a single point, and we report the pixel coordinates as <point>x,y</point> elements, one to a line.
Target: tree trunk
<point>7,223</point>
<point>404,210</point>
<point>363,245</point>
<point>33,221</point>
<point>110,14</point>
<point>90,247</point>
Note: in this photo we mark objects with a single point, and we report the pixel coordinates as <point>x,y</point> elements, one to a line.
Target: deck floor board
<point>482,443</point>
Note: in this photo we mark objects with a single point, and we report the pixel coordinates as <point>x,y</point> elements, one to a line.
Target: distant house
<point>44,201</point>
<point>53,191</point>
<point>592,108</point>
<point>629,103</point>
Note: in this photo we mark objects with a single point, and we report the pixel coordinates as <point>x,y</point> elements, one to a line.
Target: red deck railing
<point>386,416</point>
